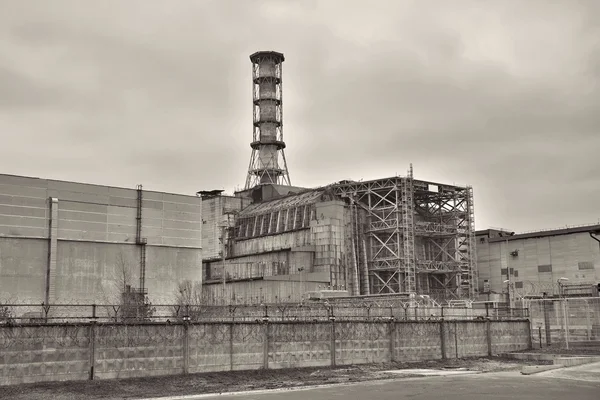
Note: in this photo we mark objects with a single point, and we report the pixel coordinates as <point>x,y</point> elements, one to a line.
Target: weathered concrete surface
<point>94,233</point>
<point>582,373</point>
<point>492,386</point>
<point>562,253</point>
<point>557,359</point>
<point>76,352</point>
<point>531,356</point>
<point>573,361</point>
<point>536,369</point>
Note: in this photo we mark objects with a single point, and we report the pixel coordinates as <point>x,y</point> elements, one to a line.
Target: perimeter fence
<point>318,311</point>
<point>565,322</point>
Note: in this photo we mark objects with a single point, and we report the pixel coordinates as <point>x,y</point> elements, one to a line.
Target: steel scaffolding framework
<point>421,236</point>
<point>267,109</point>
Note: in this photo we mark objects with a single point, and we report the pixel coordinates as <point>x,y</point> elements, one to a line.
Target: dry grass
<point>221,382</point>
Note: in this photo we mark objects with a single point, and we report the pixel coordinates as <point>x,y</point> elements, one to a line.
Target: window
<point>486,286</point>
<point>516,273</point>
<point>512,271</point>
<point>518,285</point>
<point>586,265</point>
<point>482,240</point>
<point>504,271</point>
<point>544,268</point>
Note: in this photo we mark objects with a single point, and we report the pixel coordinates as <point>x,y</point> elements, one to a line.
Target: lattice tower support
<point>408,233</point>
<point>267,162</point>
<point>473,272</point>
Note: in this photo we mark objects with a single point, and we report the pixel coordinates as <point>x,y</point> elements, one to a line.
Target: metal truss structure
<point>421,236</point>
<point>267,140</point>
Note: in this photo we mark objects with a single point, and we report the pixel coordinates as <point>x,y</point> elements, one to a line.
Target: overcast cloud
<point>501,95</point>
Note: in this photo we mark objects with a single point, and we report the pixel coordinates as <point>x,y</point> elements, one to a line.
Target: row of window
<point>583,265</point>
<point>275,222</point>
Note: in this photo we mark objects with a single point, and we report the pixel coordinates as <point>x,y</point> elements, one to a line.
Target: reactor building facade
<point>276,243</point>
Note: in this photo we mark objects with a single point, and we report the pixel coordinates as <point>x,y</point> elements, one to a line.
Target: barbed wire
<point>171,313</point>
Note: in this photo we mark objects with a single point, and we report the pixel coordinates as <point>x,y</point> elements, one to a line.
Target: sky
<point>500,95</point>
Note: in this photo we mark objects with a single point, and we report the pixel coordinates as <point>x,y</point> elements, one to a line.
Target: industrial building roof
<point>294,200</point>
<point>543,233</point>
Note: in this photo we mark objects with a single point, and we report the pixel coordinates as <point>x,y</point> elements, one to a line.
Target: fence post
<point>186,348</point>
<point>392,339</point>
<point>266,345</point>
<point>566,321</point>
<point>332,346</point>
<point>92,348</point>
<point>231,346</point>
<point>530,335</point>
<point>443,339</point>
<point>547,323</point>
<point>456,338</point>
<point>588,322</point>
<point>489,336</point>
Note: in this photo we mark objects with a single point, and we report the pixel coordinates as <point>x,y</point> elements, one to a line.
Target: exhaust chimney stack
<point>266,164</point>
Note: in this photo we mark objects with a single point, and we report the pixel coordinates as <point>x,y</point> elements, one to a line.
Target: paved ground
<point>492,386</point>
<point>236,381</point>
<point>587,373</point>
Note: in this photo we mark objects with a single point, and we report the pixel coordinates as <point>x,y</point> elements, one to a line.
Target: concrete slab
<point>531,356</point>
<point>586,372</point>
<point>536,369</point>
<point>573,361</point>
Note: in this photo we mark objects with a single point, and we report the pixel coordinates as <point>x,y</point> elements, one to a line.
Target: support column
<point>50,290</point>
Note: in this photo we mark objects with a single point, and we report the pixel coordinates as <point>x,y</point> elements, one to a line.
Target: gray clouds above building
<point>499,95</point>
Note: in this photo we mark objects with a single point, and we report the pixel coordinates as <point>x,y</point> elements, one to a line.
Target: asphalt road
<point>491,386</point>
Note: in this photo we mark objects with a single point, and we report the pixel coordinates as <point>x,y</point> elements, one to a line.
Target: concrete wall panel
<point>90,216</point>
<point>23,279</point>
<point>127,212</point>
<point>563,253</point>
<point>22,191</point>
<point>24,201</point>
<point>415,341</point>
<point>122,202</point>
<point>188,208</point>
<point>362,343</point>
<point>76,187</point>
<point>288,345</point>
<point>22,231</point>
<point>23,211</point>
<point>49,353</point>
<point>139,350</point>
<point>26,222</point>
<point>78,197</point>
<point>82,216</point>
<point>59,352</point>
<point>210,348</point>
<point>85,207</point>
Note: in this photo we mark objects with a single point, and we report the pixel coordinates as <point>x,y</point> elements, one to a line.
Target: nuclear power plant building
<point>277,243</point>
